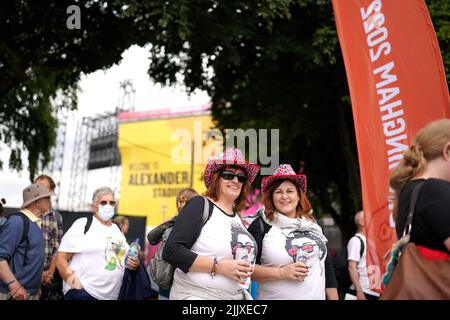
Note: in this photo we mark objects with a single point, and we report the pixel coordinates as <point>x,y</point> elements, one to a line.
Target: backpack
<point>89,218</point>
<point>160,270</point>
<point>88,223</point>
<point>26,228</point>
<point>340,264</point>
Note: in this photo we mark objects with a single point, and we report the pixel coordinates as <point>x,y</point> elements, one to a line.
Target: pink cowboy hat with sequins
<point>284,172</point>
<point>231,157</point>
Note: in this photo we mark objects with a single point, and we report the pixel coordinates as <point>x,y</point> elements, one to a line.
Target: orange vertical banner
<point>397,85</point>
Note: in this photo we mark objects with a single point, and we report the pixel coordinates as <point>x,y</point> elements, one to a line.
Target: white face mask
<point>106,212</point>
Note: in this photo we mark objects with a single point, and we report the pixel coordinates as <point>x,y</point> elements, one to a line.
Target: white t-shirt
<point>99,257</point>
<point>220,237</point>
<point>354,251</point>
<point>279,250</point>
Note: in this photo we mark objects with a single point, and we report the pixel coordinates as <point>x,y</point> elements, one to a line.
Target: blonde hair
<point>184,195</point>
<point>120,220</point>
<point>428,145</point>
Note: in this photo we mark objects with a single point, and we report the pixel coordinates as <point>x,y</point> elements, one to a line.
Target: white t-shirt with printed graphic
<point>279,250</point>
<point>354,254</point>
<point>220,237</point>
<point>99,257</point>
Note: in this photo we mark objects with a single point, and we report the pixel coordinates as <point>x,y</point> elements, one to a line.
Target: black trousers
<point>54,290</point>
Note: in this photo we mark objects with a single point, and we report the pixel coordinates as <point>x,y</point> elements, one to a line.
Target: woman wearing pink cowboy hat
<point>214,259</point>
<point>291,261</point>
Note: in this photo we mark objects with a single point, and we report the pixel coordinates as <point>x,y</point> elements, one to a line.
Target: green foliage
<point>440,14</point>
<point>265,63</point>
<point>40,57</point>
<point>277,64</point>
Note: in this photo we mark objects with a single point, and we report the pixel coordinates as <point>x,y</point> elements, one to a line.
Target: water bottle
<point>134,249</point>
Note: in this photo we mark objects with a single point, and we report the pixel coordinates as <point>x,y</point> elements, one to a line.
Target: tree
<point>40,59</point>
<point>275,64</point>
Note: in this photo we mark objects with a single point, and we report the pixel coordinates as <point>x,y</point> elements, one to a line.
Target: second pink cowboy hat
<point>231,157</point>
<point>284,172</point>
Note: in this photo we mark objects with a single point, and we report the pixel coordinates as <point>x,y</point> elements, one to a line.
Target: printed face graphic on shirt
<point>242,239</point>
<point>114,253</point>
<point>306,247</point>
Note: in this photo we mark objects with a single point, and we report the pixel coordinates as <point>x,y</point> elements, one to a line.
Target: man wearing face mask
<point>92,264</point>
<point>22,246</point>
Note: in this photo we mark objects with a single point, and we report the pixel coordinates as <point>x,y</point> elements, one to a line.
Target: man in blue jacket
<point>22,246</point>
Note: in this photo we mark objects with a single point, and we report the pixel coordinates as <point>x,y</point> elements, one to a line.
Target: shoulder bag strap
<point>87,226</point>
<point>205,216</point>
<point>361,250</point>
<point>412,207</point>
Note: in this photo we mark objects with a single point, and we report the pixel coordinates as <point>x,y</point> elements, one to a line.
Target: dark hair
<point>120,220</point>
<point>2,202</point>
<point>303,206</point>
<point>48,178</point>
<point>213,191</point>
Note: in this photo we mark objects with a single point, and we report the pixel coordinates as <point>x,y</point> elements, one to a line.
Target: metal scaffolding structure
<point>55,167</point>
<point>126,103</point>
<point>96,147</point>
<point>115,169</point>
<point>127,96</point>
<point>78,171</point>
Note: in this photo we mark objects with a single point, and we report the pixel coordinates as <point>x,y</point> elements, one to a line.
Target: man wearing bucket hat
<point>214,258</point>
<point>52,229</point>
<point>291,264</point>
<point>23,252</point>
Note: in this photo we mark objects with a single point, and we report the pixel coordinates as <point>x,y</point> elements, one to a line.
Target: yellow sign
<point>159,158</point>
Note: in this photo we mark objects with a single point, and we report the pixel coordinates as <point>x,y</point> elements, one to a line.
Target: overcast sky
<point>100,93</point>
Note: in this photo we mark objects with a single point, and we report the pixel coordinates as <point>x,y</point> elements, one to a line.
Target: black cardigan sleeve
<point>255,230</point>
<point>258,230</point>
<point>330,276</point>
<point>185,232</point>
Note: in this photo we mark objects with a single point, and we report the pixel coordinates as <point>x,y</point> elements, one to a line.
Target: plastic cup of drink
<point>242,254</point>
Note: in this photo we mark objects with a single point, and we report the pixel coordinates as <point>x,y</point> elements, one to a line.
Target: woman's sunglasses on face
<point>111,203</point>
<point>229,175</point>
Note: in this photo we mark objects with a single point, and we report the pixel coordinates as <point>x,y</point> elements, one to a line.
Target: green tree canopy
<point>40,57</point>
<point>265,63</point>
<point>277,64</point>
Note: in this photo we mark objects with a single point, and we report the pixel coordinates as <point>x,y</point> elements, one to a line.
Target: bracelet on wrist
<point>15,291</point>
<point>10,281</point>
<point>214,267</point>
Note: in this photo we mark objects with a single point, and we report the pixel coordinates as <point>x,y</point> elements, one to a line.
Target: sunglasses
<point>229,175</point>
<point>111,203</point>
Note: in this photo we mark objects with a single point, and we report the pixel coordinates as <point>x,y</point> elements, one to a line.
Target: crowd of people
<point>214,255</point>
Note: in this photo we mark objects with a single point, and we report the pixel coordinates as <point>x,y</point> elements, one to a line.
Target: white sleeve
<point>354,249</point>
<point>73,239</point>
